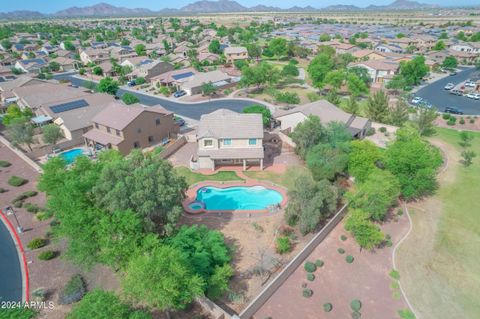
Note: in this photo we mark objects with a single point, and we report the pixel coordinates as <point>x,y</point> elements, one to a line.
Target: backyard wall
<point>272,286</point>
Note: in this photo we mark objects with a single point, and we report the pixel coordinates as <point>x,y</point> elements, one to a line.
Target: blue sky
<point>49,6</point>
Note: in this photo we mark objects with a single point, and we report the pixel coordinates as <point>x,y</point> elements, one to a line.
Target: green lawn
<point>192,177</point>
<point>440,261</point>
<point>284,179</point>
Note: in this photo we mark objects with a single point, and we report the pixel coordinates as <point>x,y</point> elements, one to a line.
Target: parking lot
<point>436,94</point>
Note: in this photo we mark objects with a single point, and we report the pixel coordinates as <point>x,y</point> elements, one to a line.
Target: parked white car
<point>416,100</point>
<point>449,86</point>
<point>476,96</point>
<point>471,95</point>
<point>470,84</point>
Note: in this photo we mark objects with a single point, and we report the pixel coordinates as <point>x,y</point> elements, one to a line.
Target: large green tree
<point>307,134</point>
<point>51,133</point>
<point>413,71</point>
<point>414,162</point>
<point>145,184</point>
<point>101,304</point>
<point>325,161</point>
<point>376,194</point>
<point>259,75</point>
<point>129,98</point>
<point>367,234</point>
<point>162,279</point>
<point>399,113</point>
<point>207,254</point>
<point>319,67</point>
<point>363,159</point>
<point>310,202</point>
<point>108,85</point>
<point>377,107</point>
<point>257,108</point>
<point>20,131</point>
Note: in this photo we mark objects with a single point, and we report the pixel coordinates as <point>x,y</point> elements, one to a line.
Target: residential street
<point>441,98</point>
<point>10,273</point>
<point>190,110</point>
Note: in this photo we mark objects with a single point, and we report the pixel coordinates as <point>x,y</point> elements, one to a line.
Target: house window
<point>157,122</point>
<point>108,129</point>
<point>227,141</point>
<point>96,125</point>
<point>208,143</point>
<point>139,130</point>
<point>136,145</point>
<point>252,141</point>
<point>150,139</point>
<point>117,132</point>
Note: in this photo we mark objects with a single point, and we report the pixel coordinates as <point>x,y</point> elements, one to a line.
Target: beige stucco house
<point>125,127</point>
<point>225,137</point>
<point>235,53</point>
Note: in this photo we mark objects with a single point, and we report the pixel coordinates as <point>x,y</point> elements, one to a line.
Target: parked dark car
<point>179,93</point>
<point>179,121</point>
<point>453,110</point>
<point>131,83</point>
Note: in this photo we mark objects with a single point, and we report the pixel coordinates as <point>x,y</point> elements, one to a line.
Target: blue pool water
<point>238,198</point>
<point>71,155</point>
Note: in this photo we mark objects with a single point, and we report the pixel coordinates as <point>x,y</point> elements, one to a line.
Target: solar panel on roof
<point>182,76</point>
<point>68,106</point>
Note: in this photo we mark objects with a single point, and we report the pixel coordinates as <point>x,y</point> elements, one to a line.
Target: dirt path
<point>417,256</point>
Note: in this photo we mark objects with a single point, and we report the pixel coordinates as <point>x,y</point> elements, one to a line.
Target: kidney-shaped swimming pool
<point>237,198</point>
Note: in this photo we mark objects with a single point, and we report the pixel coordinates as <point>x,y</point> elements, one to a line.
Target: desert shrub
<point>382,129</point>
<point>388,243</point>
<point>341,251</point>
<point>462,121</point>
<point>349,259</point>
<point>370,131</point>
<point>17,181</point>
<point>287,97</point>
<point>451,121</point>
<point>54,223</point>
<point>319,263</point>
<point>18,204</point>
<point>30,193</point>
<point>312,96</point>
<point>4,163</point>
<point>327,307</point>
<point>32,208</point>
<point>307,293</point>
<point>73,291</point>
<point>471,121</point>
<point>39,294</point>
<point>356,305</point>
<point>47,255</point>
<point>310,277</point>
<point>343,238</point>
<point>20,197</point>
<point>446,116</point>
<point>283,245</point>
<point>3,190</point>
<point>309,267</point>
<point>395,274</point>
<point>406,314</point>
<point>36,243</point>
<point>356,315</point>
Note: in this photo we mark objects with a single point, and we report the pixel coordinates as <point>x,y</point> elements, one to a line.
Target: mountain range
<point>204,6</point>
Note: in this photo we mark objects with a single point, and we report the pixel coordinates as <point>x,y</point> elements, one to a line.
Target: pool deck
<point>191,196</point>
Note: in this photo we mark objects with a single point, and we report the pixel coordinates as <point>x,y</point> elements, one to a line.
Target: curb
<point>21,256</point>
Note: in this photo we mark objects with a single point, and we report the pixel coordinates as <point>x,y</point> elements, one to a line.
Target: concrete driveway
<point>441,98</point>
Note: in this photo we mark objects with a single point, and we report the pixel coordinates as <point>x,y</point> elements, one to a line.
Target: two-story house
<point>235,53</point>
<point>379,71</point>
<point>125,127</point>
<point>225,137</point>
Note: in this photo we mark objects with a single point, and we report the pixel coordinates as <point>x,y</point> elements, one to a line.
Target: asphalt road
<point>193,111</point>
<point>10,271</point>
<point>441,98</point>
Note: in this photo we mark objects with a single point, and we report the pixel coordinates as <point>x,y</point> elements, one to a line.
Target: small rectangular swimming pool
<point>236,198</point>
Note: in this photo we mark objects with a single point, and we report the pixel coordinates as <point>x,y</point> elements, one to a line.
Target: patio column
<point>244,165</point>
<point>261,164</point>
